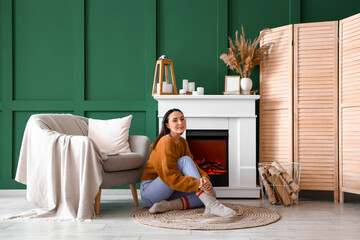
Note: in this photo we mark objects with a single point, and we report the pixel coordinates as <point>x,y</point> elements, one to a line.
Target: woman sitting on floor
<point>172,180</point>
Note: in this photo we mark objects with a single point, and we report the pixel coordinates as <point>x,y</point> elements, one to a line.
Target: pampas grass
<point>243,56</point>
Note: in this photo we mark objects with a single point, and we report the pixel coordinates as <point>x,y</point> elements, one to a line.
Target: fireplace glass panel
<point>210,151</point>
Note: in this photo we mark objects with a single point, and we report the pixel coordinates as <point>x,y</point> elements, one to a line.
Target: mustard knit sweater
<point>163,163</point>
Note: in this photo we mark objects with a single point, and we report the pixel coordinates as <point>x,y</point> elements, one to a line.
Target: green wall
<point>328,10</point>
<point>96,58</point>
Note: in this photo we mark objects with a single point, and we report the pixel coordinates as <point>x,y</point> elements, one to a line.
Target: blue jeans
<point>153,191</point>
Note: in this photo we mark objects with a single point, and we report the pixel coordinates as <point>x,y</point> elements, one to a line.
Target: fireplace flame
<point>211,167</point>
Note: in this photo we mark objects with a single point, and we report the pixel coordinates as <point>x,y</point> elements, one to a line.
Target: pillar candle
<point>166,88</point>
<point>191,86</point>
<point>169,88</point>
<point>200,90</point>
<point>185,85</point>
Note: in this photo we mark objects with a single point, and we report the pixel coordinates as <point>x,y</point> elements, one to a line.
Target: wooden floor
<point>310,219</point>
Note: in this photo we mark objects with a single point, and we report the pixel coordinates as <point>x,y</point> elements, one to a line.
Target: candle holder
<point>164,89</point>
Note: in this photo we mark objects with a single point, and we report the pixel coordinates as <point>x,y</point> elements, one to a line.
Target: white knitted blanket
<point>61,167</point>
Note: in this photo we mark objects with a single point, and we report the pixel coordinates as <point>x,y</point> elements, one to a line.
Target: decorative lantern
<point>161,86</point>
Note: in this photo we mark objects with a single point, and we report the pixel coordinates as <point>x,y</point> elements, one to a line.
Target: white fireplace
<point>235,113</point>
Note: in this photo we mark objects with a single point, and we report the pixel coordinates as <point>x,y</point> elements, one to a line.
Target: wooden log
<point>269,190</point>
<point>280,186</point>
<point>280,189</point>
<point>287,177</point>
<point>278,166</point>
<point>274,171</point>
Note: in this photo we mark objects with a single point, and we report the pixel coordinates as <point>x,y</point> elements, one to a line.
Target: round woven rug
<point>193,219</point>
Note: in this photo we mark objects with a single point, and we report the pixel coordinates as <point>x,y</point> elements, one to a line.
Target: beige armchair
<point>64,169</point>
<point>126,168</point>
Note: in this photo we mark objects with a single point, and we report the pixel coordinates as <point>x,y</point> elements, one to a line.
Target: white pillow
<point>111,136</point>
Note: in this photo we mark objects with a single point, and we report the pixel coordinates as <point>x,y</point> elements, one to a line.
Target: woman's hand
<point>206,186</point>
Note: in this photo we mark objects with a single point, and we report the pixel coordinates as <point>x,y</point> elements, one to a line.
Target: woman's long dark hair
<point>164,130</point>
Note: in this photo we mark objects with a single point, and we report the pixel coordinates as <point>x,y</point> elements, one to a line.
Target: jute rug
<point>193,219</point>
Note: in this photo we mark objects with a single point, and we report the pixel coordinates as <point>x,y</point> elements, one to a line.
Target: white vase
<point>246,85</point>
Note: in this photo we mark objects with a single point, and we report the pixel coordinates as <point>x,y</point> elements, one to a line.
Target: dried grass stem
<point>245,56</point>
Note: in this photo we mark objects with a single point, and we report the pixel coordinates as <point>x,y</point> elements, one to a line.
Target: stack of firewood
<point>279,185</point>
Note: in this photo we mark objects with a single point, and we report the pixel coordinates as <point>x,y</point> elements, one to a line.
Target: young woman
<point>172,180</point>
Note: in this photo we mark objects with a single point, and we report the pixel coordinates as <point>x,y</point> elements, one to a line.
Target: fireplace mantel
<point>209,105</point>
<point>235,113</point>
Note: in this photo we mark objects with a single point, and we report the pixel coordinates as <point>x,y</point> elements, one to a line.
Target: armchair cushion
<point>111,136</point>
<point>123,161</point>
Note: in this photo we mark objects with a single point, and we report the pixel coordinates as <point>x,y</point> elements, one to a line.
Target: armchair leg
<point>97,202</point>
<point>134,194</point>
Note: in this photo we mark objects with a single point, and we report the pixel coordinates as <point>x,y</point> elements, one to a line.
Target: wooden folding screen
<point>276,106</point>
<point>315,105</point>
<point>349,107</point>
<point>298,85</point>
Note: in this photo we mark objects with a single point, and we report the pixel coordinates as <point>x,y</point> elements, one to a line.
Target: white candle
<point>169,88</point>
<point>200,90</point>
<point>195,93</point>
<point>191,86</point>
<point>165,87</point>
<point>185,85</point>
<point>182,91</point>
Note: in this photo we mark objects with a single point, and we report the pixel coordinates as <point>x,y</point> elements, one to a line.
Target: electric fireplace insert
<point>210,151</point>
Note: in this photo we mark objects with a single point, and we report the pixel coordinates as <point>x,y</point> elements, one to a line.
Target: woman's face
<point>176,123</point>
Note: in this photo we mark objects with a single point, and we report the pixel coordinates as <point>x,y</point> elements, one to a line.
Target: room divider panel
<point>315,105</point>
<point>349,105</point>
<point>276,104</point>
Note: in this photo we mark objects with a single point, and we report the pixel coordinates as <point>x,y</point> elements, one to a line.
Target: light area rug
<point>193,219</point>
